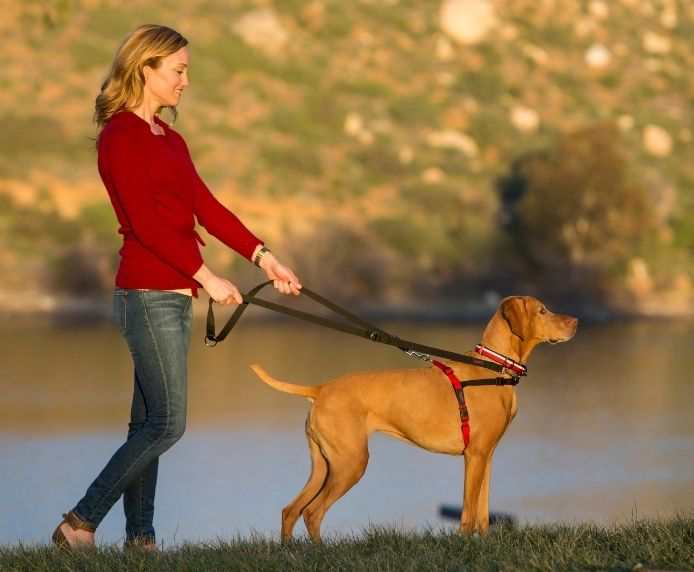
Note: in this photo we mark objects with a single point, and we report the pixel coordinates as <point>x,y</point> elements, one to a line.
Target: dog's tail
<point>307,391</point>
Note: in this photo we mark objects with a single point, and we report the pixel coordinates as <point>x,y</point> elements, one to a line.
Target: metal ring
<point>209,342</point>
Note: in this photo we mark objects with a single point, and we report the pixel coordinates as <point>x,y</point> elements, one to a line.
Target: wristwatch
<point>258,257</point>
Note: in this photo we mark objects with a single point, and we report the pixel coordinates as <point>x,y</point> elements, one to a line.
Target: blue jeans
<point>156,327</point>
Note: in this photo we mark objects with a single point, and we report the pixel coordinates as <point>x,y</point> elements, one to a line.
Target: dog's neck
<point>499,337</point>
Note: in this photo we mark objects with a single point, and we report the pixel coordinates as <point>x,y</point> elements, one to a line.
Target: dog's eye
<point>543,310</point>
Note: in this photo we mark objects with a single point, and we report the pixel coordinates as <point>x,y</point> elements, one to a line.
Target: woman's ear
<point>146,70</point>
<point>514,312</point>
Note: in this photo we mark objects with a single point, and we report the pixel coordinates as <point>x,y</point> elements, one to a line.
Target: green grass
<point>90,52</point>
<point>550,34</point>
<point>117,20</point>
<point>414,109</point>
<point>362,87</point>
<point>25,134</point>
<point>36,230</point>
<point>31,140</point>
<point>646,544</point>
<point>485,85</point>
<point>318,120</point>
<point>378,163</point>
<point>292,160</point>
<point>487,124</point>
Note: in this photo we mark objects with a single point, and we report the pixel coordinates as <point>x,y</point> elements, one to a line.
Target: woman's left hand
<point>283,278</point>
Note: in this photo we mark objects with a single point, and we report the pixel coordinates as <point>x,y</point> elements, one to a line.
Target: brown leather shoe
<point>74,522</point>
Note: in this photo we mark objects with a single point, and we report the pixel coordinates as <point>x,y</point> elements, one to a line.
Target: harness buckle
<point>418,355</point>
<point>209,342</point>
<point>512,372</point>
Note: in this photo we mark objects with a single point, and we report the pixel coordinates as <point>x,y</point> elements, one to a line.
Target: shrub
<point>576,206</point>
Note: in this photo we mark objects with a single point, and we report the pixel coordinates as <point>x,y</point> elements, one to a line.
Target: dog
<point>418,406</point>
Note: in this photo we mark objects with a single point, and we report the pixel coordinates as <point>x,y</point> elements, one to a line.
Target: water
<point>604,430</point>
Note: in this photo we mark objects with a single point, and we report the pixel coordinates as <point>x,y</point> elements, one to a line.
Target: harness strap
<point>460,395</point>
<point>362,328</point>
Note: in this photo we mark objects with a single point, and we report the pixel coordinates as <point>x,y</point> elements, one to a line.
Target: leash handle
<point>211,339</point>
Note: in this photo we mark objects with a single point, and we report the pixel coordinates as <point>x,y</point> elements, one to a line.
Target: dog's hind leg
<point>319,470</point>
<point>347,460</point>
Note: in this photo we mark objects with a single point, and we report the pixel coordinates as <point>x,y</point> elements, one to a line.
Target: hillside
<point>399,151</point>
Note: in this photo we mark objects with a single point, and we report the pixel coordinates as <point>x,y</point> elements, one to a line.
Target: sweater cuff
<point>246,250</point>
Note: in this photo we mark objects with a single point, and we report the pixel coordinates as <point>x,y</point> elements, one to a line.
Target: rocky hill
<point>400,151</point>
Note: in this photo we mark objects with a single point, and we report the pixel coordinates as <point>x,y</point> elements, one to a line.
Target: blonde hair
<point>124,84</point>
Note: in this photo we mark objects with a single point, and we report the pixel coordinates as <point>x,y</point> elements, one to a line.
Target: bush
<point>575,206</point>
<point>80,272</point>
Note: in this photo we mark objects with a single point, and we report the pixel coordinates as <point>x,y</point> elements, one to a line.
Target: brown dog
<point>418,406</point>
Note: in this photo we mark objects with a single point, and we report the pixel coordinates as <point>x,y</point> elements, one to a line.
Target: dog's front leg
<point>483,501</point>
<point>475,468</point>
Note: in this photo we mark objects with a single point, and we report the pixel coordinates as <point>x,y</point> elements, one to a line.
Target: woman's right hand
<point>219,289</point>
<point>223,291</point>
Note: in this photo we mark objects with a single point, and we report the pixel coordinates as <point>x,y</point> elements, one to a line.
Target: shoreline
<point>39,306</point>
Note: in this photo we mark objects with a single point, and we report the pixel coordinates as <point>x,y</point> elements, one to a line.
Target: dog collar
<point>508,363</point>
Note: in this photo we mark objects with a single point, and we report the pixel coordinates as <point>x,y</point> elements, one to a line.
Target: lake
<point>604,431</point>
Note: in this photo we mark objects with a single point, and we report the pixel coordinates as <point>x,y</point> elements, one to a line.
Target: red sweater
<point>156,192</point>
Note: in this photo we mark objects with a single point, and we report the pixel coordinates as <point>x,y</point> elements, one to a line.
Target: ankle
<point>78,523</point>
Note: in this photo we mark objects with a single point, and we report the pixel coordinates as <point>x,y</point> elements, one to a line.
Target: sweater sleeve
<point>219,221</point>
<point>137,195</point>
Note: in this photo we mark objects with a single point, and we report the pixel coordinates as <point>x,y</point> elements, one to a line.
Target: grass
<point>29,140</point>
<point>317,120</point>
<point>378,163</point>
<point>363,88</point>
<point>292,160</point>
<point>414,109</point>
<point>641,544</point>
<point>89,52</point>
<point>486,85</point>
<point>21,225</point>
<point>116,20</point>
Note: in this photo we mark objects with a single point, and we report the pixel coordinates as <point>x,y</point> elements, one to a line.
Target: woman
<point>155,191</point>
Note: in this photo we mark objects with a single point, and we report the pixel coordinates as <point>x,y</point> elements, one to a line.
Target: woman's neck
<point>147,110</point>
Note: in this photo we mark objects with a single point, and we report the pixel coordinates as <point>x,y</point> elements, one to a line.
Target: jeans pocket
<point>120,309</point>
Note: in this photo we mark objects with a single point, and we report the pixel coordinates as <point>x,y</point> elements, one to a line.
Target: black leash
<point>362,329</point>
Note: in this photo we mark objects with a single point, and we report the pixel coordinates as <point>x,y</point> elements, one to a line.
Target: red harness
<point>458,388</point>
<point>517,369</point>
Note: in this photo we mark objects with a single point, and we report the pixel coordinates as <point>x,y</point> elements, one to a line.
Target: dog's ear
<point>513,311</point>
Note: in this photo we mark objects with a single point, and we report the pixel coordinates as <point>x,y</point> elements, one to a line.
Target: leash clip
<point>209,342</point>
<point>418,355</point>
